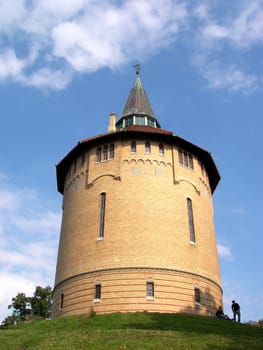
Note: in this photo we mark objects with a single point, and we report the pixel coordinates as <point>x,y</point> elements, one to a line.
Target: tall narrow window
<point>185,159</point>
<point>102,214</point>
<point>75,166</point>
<point>98,154</point>
<point>97,291</point>
<point>61,301</point>
<point>180,156</point>
<point>111,150</point>
<point>133,147</point>
<point>150,289</point>
<point>161,149</point>
<point>105,152</point>
<point>191,220</point>
<point>197,295</point>
<point>147,147</point>
<point>190,159</point>
<point>82,159</point>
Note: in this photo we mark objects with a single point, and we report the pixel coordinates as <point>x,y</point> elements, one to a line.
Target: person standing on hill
<point>236,311</point>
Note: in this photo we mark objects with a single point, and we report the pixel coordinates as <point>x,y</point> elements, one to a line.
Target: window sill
<point>98,239</point>
<point>96,300</point>
<point>103,160</point>
<point>150,298</point>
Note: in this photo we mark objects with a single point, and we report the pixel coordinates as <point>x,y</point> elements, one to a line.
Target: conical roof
<point>137,105</point>
<point>138,102</point>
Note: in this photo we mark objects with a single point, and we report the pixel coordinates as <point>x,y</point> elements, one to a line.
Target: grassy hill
<point>133,331</point>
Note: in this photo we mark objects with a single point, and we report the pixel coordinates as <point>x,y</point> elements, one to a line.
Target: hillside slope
<point>133,331</point>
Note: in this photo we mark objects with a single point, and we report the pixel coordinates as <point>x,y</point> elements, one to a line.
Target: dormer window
<point>140,121</point>
<point>129,121</point>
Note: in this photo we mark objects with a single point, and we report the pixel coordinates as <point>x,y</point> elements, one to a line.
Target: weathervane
<point>138,68</point>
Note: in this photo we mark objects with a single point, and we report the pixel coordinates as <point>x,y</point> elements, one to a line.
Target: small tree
<point>25,307</point>
<point>41,301</point>
<point>10,321</point>
<point>19,305</point>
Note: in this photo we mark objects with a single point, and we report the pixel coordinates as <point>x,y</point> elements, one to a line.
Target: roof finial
<point>138,68</point>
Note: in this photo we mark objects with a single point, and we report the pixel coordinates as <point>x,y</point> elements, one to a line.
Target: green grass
<point>133,331</point>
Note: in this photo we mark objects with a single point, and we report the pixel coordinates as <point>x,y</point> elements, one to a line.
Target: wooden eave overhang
<point>135,131</point>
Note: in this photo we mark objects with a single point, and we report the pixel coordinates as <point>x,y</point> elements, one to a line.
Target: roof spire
<point>137,110</point>
<point>138,68</point>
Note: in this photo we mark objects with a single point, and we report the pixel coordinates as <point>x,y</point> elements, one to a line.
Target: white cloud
<point>29,233</point>
<point>44,42</point>
<point>248,26</point>
<point>111,36</point>
<point>224,251</point>
<point>85,36</point>
<point>9,200</point>
<point>11,14</point>
<point>34,256</point>
<point>201,11</point>
<point>224,43</point>
<point>47,78</point>
<point>242,30</point>
<point>10,65</point>
<point>231,78</point>
<point>20,210</point>
<point>48,222</point>
<point>215,32</point>
<point>240,211</point>
<point>13,283</point>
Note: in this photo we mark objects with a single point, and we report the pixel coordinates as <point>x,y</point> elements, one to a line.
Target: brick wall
<point>146,234</point>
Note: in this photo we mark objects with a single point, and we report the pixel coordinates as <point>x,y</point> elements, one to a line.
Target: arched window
<point>133,147</point>
<point>191,220</point>
<point>147,147</point>
<point>161,149</point>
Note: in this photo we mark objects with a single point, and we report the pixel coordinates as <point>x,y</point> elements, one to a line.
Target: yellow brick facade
<point>146,230</point>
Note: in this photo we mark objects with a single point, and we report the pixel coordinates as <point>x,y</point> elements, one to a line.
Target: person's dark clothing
<point>236,311</point>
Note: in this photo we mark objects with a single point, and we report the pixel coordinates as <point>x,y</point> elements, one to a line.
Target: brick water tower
<point>137,230</point>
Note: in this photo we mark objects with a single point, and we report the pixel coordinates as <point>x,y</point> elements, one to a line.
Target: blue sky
<point>65,65</point>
